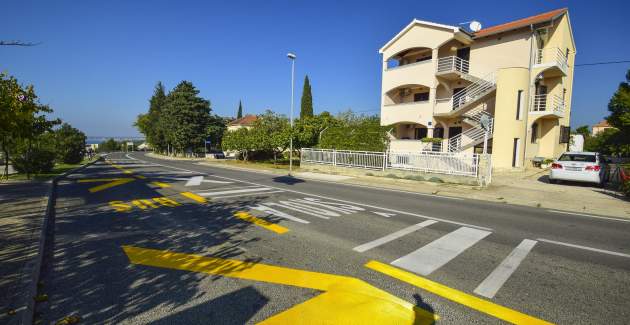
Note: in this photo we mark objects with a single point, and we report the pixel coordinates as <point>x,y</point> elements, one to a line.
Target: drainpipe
<point>529,91</point>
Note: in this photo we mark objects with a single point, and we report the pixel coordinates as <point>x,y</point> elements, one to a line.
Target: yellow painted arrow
<point>111,183</point>
<point>346,300</point>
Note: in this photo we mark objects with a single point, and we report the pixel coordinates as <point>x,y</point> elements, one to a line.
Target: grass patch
<point>263,164</point>
<point>392,176</point>
<point>435,180</point>
<point>414,177</point>
<point>56,171</point>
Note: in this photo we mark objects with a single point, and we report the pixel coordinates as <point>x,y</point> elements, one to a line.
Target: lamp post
<point>291,57</point>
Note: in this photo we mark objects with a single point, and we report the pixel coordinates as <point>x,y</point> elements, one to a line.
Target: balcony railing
<point>452,63</point>
<point>408,65</point>
<point>552,56</point>
<point>548,103</point>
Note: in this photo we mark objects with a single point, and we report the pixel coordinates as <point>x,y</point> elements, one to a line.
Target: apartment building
<point>511,83</point>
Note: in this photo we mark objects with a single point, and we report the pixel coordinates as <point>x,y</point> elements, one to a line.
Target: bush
<point>625,188</point>
<point>35,161</point>
<point>69,144</point>
<point>432,140</point>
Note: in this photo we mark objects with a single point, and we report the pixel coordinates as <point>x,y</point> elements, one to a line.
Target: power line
<point>602,63</point>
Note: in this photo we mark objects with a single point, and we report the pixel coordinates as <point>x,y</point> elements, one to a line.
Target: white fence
<point>450,163</point>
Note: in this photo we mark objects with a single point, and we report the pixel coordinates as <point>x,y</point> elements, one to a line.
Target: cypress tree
<point>239,114</point>
<point>306,108</point>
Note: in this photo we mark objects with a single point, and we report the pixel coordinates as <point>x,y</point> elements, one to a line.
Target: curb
<point>29,312</point>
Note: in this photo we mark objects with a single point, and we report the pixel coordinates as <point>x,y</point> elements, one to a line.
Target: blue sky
<point>99,60</point>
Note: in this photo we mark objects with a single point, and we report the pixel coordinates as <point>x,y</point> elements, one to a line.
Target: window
<point>577,157</point>
<point>534,132</point>
<point>420,97</point>
<point>565,134</point>
<point>421,133</point>
<point>438,132</point>
<point>519,97</point>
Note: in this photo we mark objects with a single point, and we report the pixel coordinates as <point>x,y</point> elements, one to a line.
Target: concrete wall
<point>506,126</point>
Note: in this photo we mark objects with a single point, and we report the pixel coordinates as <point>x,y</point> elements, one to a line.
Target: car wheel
<point>552,181</point>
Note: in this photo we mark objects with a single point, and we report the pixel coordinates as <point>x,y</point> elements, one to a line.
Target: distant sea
<point>97,140</point>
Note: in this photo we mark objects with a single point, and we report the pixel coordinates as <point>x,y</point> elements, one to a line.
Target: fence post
<point>334,157</point>
<point>386,153</point>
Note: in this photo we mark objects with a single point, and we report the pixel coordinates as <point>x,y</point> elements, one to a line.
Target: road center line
<point>338,200</point>
<point>245,190</point>
<point>393,236</point>
<point>489,287</point>
<point>260,222</point>
<point>584,247</point>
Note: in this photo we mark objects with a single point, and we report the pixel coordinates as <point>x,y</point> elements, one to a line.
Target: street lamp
<point>291,57</point>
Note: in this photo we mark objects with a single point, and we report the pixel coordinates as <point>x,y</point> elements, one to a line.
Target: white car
<point>585,167</point>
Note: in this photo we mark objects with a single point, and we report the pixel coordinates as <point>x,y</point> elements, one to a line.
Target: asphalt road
<point>141,240</point>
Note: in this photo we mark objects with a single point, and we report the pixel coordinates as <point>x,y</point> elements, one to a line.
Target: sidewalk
<point>22,210</point>
<point>529,188</point>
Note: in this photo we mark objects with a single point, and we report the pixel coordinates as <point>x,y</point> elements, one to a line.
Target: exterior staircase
<point>474,135</point>
<point>477,90</point>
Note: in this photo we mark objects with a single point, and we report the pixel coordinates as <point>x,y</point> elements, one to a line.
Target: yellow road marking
<point>120,206</point>
<point>140,177</point>
<point>111,183</point>
<point>139,204</point>
<point>463,298</point>
<point>260,222</point>
<point>160,184</point>
<point>166,202</point>
<point>194,197</point>
<point>346,300</point>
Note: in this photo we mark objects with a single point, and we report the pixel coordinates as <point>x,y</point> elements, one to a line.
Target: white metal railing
<point>407,103</point>
<point>452,63</point>
<point>548,103</point>
<point>474,90</point>
<point>424,161</point>
<point>552,55</point>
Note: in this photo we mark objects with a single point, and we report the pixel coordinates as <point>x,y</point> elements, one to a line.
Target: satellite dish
<point>475,26</point>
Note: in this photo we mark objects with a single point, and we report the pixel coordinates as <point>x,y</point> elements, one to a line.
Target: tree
<point>356,132</point>
<point>151,123</point>
<point>619,107</point>
<point>583,130</point>
<point>109,145</point>
<point>239,113</point>
<point>216,129</point>
<point>306,107</point>
<point>186,117</point>
<point>22,122</point>
<point>69,144</point>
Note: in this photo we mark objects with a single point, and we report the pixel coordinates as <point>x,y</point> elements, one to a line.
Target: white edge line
<point>339,200</point>
<point>584,247</point>
<point>588,215</point>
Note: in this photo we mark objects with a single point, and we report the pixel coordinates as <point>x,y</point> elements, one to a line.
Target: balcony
<point>552,59</point>
<point>452,67</point>
<point>413,112</point>
<point>545,105</point>
<point>409,74</point>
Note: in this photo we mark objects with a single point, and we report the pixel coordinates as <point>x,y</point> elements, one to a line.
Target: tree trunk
<point>6,161</point>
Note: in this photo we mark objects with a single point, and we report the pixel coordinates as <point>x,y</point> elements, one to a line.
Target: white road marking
<point>393,236</point>
<point>244,195</point>
<point>344,201</point>
<point>440,251</point>
<point>584,247</point>
<point>329,207</point>
<point>589,215</point>
<point>291,206</point>
<point>194,181</point>
<point>245,190</point>
<point>489,287</point>
<point>275,212</point>
<point>384,214</point>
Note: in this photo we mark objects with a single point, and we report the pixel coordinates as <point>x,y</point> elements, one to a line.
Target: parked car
<point>588,167</point>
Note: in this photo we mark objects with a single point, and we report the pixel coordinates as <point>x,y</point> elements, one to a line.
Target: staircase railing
<point>474,90</point>
<point>472,135</point>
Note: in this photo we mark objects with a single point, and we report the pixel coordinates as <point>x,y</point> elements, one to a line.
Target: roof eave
<point>414,22</point>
